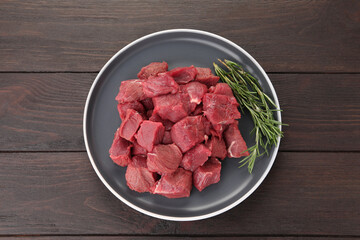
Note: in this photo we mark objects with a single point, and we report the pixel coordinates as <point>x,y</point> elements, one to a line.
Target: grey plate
<point>179,47</point>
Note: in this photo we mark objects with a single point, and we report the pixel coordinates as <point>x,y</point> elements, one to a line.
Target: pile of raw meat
<point>176,125</point>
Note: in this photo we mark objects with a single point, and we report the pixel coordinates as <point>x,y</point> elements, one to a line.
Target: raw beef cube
<point>167,124</point>
<point>136,105</point>
<point>156,118</point>
<point>138,177</point>
<point>147,103</point>
<point>188,132</point>
<point>205,76</point>
<point>120,150</point>
<point>220,109</point>
<point>167,138</point>
<point>139,161</point>
<point>221,88</point>
<point>149,113</point>
<point>150,134</point>
<point>164,158</point>
<point>183,75</point>
<point>217,147</point>
<point>138,150</point>
<point>174,185</point>
<point>160,85</point>
<point>207,126</point>
<point>235,142</point>
<point>172,106</point>
<point>218,129</point>
<point>195,90</point>
<point>130,91</point>
<point>152,69</point>
<point>198,110</point>
<point>130,124</point>
<point>195,157</point>
<point>207,174</point>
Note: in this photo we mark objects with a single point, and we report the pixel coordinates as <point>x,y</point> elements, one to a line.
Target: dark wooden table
<point>50,53</point>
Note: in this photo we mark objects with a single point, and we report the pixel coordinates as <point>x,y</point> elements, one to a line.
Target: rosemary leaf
<point>250,95</point>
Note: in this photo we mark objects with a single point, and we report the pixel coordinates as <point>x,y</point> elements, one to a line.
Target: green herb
<point>251,96</point>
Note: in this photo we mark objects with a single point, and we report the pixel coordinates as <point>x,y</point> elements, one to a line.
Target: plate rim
<point>161,216</point>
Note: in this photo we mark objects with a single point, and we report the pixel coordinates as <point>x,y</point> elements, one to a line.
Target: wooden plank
<point>82,35</point>
<point>43,112</point>
<point>59,193</point>
<point>322,110</point>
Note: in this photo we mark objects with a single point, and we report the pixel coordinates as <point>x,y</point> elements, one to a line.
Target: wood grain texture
<point>79,35</point>
<point>59,193</point>
<point>43,112</point>
<point>323,111</point>
<point>48,189</point>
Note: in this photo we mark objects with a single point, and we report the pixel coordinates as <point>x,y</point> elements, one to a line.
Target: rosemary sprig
<point>250,95</point>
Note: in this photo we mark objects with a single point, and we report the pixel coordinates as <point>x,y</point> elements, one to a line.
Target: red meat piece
<point>147,103</point>
<point>218,129</point>
<point>150,134</point>
<point>138,177</point>
<point>164,158</point>
<point>221,88</point>
<point>120,150</point>
<point>174,185</point>
<point>167,138</point>
<point>205,76</point>
<point>130,91</point>
<point>183,75</point>
<point>235,142</point>
<point>138,150</point>
<point>149,113</point>
<point>207,126</point>
<point>152,69</point>
<point>207,174</point>
<point>130,124</point>
<point>167,124</point>
<point>136,105</point>
<point>217,147</point>
<point>220,109</point>
<point>198,110</point>
<point>195,90</point>
<point>156,118</point>
<point>188,132</point>
<point>172,106</point>
<point>195,157</point>
<point>159,85</point>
